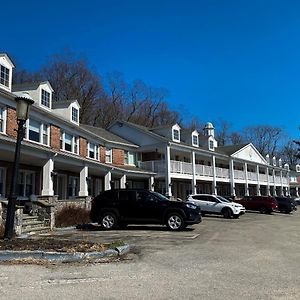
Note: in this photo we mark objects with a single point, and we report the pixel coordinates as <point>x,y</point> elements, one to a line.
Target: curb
<point>10,255</point>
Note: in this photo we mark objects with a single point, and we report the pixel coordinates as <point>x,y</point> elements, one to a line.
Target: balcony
<point>185,168</point>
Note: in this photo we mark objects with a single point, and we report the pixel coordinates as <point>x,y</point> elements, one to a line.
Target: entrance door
<point>61,186</point>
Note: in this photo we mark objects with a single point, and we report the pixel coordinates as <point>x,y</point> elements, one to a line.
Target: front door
<point>61,186</point>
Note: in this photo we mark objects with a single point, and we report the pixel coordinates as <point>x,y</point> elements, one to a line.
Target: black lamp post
<point>23,104</point>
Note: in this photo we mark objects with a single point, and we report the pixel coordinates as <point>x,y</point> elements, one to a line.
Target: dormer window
<point>297,168</point>
<point>211,145</point>
<point>4,76</point>
<point>195,140</point>
<point>45,98</point>
<point>176,135</point>
<point>75,114</point>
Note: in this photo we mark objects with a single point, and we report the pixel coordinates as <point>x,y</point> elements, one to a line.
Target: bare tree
<point>236,138</point>
<point>265,138</point>
<point>289,153</point>
<point>222,133</point>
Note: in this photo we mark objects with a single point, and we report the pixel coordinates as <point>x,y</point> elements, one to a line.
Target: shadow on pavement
<point>93,227</point>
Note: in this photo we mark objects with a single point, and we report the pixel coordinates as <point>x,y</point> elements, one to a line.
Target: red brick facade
<point>82,147</point>
<point>102,154</point>
<point>11,125</point>
<point>54,137</point>
<point>118,156</point>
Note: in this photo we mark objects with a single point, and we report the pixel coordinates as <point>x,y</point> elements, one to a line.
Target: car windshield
<point>160,196</point>
<point>222,199</point>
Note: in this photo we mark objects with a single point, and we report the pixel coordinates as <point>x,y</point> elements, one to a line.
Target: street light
<point>23,103</point>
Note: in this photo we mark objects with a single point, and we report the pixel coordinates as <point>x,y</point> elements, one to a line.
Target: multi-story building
<point>191,162</point>
<point>62,158</point>
<point>59,156</point>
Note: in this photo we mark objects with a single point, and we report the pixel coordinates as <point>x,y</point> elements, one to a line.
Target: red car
<point>264,204</point>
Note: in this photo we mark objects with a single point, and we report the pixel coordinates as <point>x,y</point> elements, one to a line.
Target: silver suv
<point>213,204</point>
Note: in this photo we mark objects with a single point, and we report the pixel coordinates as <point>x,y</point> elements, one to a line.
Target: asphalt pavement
<point>254,257</point>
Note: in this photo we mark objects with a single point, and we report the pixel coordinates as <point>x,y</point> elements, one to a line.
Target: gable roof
<point>231,149</point>
<point>107,135</point>
<point>8,59</point>
<point>29,86</point>
<point>63,103</point>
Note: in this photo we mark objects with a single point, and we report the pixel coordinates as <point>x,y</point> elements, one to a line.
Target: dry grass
<point>72,216</point>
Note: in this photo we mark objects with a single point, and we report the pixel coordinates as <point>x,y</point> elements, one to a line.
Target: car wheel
<point>108,220</point>
<point>175,222</point>
<point>288,211</point>
<point>263,210</point>
<point>236,216</point>
<point>227,213</point>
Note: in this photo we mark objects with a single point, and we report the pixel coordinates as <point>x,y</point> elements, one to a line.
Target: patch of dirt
<point>50,244</point>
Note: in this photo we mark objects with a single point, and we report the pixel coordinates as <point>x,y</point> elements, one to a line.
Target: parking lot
<point>254,257</point>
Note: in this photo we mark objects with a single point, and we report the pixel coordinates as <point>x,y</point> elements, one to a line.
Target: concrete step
<point>37,230</point>
<point>33,224</point>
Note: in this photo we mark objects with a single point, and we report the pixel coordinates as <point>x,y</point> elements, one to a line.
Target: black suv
<point>285,204</point>
<point>120,207</point>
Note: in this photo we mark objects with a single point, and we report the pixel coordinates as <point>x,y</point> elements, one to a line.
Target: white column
<point>194,182</point>
<point>107,180</point>
<point>84,173</point>
<point>123,182</point>
<point>168,171</point>
<point>47,189</point>
<point>268,182</point>
<point>151,183</point>
<point>246,180</point>
<point>214,183</point>
<point>258,184</point>
<point>232,182</point>
<point>274,180</point>
<point>281,184</point>
<point>297,191</point>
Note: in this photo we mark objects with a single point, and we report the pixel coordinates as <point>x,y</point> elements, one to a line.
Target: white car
<point>213,204</point>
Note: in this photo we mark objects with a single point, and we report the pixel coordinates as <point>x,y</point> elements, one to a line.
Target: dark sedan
<point>286,205</point>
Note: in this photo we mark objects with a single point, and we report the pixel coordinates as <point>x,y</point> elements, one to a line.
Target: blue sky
<point>237,61</point>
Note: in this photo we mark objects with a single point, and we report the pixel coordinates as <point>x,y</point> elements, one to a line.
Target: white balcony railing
<point>180,167</point>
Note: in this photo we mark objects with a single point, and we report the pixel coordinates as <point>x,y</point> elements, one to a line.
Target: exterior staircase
<point>31,225</point>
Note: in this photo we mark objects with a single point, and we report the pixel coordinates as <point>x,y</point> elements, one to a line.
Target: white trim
<point>110,156</point>
<point>4,117</point>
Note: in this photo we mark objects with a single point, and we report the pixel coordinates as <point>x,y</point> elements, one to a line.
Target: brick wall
<point>11,124</point>
<point>54,137</point>
<point>102,154</point>
<point>118,156</point>
<point>82,146</point>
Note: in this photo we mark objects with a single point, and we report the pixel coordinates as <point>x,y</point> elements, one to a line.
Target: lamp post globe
<point>24,101</point>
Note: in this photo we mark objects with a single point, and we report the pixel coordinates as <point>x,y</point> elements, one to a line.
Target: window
<point>93,151</point>
<point>69,142</point>
<point>297,168</point>
<point>45,98</point>
<point>129,158</point>
<point>73,186</point>
<point>108,155</point>
<point>4,76</point>
<point>26,183</point>
<point>34,131</point>
<point>37,132</point>
<point>176,135</point>
<point>2,182</point>
<point>195,140</point>
<point>2,119</point>
<point>74,114</point>
<point>211,145</point>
